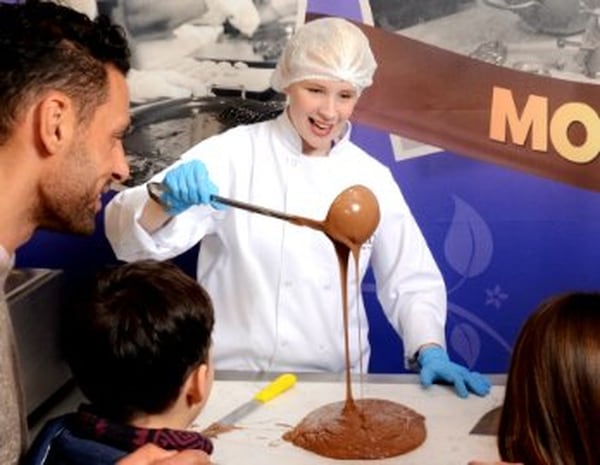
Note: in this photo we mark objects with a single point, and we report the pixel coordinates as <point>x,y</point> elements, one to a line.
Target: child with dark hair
<point>138,341</point>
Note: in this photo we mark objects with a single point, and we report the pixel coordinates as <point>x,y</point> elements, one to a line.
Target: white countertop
<point>258,440</point>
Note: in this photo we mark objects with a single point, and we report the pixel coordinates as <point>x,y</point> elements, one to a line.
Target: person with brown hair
<point>64,109</point>
<point>551,410</point>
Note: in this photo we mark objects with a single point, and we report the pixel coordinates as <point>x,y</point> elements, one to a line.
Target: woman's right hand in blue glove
<point>188,184</point>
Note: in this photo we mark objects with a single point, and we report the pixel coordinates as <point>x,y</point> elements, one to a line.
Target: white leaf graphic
<point>468,246</point>
<point>465,341</point>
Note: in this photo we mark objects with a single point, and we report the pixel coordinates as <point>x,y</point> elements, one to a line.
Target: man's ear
<point>197,385</point>
<point>56,120</point>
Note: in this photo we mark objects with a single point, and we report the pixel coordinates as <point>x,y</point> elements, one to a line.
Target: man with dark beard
<point>64,109</point>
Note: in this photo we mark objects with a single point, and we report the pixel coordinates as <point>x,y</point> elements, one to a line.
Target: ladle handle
<point>254,208</point>
<point>156,189</point>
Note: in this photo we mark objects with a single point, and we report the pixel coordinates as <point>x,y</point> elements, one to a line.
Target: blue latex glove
<point>188,184</point>
<point>436,366</point>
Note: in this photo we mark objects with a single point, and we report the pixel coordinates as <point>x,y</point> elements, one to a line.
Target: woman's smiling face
<point>319,110</point>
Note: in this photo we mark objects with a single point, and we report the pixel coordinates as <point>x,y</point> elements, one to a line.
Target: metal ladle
<point>351,219</point>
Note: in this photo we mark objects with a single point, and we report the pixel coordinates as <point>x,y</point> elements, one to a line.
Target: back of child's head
<point>133,334</point>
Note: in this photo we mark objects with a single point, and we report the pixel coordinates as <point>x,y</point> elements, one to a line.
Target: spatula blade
<point>240,412</point>
<point>488,423</point>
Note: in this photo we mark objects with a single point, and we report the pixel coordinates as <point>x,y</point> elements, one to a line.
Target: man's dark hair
<point>133,334</point>
<point>45,46</point>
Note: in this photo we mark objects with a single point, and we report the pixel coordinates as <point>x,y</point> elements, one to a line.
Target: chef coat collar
<point>292,139</point>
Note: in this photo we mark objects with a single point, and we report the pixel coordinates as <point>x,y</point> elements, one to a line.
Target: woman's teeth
<point>321,126</point>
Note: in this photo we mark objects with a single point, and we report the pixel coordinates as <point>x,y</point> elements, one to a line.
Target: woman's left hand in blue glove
<point>436,366</point>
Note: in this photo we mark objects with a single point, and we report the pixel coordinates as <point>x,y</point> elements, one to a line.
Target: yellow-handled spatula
<point>273,389</point>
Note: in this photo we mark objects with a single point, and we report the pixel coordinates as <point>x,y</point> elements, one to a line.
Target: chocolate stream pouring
<point>351,220</point>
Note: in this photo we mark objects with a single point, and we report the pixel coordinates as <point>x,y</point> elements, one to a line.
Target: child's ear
<point>197,385</point>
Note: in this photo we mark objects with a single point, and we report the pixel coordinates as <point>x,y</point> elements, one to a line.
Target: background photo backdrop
<point>509,220</point>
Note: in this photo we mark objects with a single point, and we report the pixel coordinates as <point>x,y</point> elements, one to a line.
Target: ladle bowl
<point>353,216</point>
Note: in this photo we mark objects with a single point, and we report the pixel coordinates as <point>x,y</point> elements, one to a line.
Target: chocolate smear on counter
<point>215,429</point>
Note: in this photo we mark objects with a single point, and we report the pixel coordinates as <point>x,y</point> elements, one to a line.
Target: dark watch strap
<point>155,192</point>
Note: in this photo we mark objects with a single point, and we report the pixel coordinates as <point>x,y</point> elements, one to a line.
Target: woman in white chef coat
<point>276,285</point>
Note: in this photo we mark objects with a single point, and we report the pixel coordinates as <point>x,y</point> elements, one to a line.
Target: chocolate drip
<point>367,428</point>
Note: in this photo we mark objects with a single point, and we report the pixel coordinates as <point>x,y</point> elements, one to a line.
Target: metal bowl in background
<point>270,39</point>
<point>395,15</point>
<point>555,17</point>
<point>163,130</point>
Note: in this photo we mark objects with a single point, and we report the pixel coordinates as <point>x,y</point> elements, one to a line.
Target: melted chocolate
<point>352,218</point>
<point>370,429</point>
<point>366,428</point>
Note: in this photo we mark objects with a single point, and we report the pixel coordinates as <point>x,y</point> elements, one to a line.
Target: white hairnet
<point>326,48</point>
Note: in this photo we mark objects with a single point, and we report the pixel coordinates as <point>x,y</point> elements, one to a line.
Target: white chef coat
<point>275,285</point>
